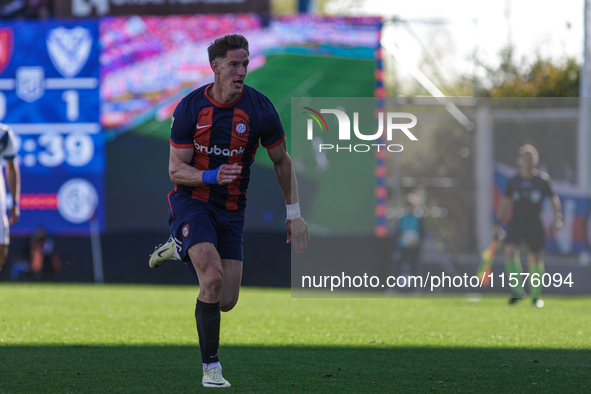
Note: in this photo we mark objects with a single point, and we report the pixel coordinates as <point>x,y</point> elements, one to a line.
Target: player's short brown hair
<point>527,148</point>
<point>220,47</point>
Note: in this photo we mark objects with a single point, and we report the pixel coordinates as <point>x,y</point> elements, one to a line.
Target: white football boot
<point>213,378</point>
<point>164,253</point>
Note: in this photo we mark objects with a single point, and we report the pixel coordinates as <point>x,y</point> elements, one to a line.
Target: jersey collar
<point>217,103</point>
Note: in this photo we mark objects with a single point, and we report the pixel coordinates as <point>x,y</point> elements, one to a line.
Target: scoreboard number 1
<point>72,104</point>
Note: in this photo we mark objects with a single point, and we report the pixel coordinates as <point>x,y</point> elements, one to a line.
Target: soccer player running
<point>214,135</point>
<point>525,192</point>
<point>8,153</point>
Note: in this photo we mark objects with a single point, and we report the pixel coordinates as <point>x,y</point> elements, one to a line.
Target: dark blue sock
<point>208,327</point>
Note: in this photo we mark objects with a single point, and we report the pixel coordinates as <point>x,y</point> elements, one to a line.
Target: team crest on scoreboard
<point>69,49</point>
<point>30,83</point>
<point>186,231</point>
<point>6,46</point>
<point>241,128</point>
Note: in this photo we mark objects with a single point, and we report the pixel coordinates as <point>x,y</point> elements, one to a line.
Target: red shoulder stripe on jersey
<point>180,146</point>
<point>274,144</point>
<point>217,103</point>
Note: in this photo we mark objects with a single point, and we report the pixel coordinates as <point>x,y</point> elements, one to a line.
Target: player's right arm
<point>506,203</point>
<point>504,206</point>
<point>180,164</point>
<point>13,179</point>
<point>182,173</point>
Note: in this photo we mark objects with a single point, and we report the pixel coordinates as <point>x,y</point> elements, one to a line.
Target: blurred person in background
<point>409,235</point>
<point>8,153</point>
<point>524,194</point>
<point>45,261</point>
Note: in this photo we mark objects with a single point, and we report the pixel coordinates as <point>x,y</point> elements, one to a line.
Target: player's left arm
<point>557,208</point>
<point>554,202</point>
<point>13,178</point>
<point>296,227</point>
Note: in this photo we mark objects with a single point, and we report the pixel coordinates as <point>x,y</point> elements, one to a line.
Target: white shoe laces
<point>215,374</point>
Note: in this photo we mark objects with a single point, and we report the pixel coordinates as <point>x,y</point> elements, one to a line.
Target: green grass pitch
<point>142,339</point>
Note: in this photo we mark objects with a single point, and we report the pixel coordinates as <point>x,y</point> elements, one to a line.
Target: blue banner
<point>49,95</point>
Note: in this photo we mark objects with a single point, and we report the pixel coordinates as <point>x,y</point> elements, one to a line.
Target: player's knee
<point>511,251</point>
<point>213,282</point>
<point>535,258</point>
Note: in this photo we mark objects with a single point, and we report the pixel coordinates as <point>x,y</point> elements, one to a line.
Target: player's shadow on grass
<point>374,368</point>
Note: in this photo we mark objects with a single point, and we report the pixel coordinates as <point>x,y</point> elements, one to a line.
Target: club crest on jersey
<point>241,128</point>
<point>186,231</point>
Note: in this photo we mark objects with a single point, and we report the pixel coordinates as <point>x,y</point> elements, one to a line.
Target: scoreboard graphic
<point>49,96</point>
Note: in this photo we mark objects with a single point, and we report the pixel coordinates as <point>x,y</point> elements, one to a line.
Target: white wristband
<point>293,211</point>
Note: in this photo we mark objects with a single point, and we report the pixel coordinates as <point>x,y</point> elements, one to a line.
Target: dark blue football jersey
<point>224,134</point>
<point>528,195</point>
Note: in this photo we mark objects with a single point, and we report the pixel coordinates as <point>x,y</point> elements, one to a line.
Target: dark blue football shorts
<point>530,231</point>
<point>193,221</point>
